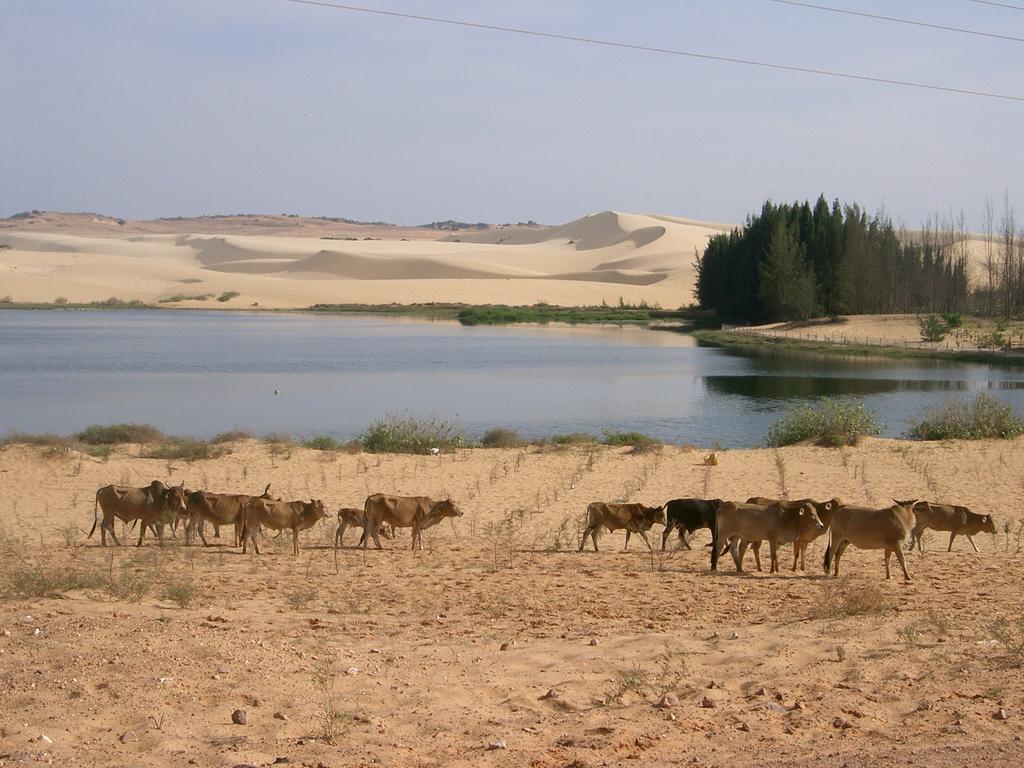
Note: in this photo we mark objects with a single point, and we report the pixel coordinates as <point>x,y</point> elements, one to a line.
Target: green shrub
<point>327,443</point>
<point>116,434</point>
<point>40,581</point>
<point>932,328</point>
<point>186,448</point>
<point>45,440</point>
<point>184,593</point>
<point>573,438</point>
<point>499,437</point>
<point>231,436</point>
<point>953,319</point>
<point>833,422</point>
<point>982,417</point>
<point>227,295</point>
<point>410,434</point>
<point>184,297</point>
<point>635,439</point>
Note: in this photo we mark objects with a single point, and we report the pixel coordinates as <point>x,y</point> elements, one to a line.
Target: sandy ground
<point>891,330</point>
<point>599,258</point>
<point>497,633</point>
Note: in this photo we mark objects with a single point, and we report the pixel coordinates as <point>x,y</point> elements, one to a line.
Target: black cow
<point>690,514</point>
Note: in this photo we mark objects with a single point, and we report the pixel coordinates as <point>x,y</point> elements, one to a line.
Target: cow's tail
<point>95,513</point>
<point>714,541</point>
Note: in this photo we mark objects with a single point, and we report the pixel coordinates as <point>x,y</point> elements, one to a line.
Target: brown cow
<point>946,517</point>
<point>824,510</point>
<point>868,528</point>
<point>740,524</point>
<point>154,505</point>
<point>278,515</point>
<point>635,518</point>
<point>416,512</point>
<point>351,516</point>
<point>220,509</point>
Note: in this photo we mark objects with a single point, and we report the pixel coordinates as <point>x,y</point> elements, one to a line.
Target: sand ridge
<point>599,258</point>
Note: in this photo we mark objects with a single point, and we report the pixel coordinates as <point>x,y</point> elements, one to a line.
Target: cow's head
<point>655,514</point>
<point>988,525</point>
<point>446,508</point>
<point>174,499</point>
<point>807,517</point>
<point>314,510</point>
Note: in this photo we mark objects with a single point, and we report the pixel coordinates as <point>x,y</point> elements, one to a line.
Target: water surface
<point>202,372</point>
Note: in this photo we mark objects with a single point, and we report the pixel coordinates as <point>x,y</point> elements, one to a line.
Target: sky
<point>147,108</point>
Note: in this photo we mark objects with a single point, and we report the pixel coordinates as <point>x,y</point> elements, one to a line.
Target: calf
<point>740,524</point>
<point>416,512</point>
<point>350,516</point>
<point>946,517</point>
<point>635,518</point>
<point>824,510</point>
<point>868,528</point>
<point>278,515</point>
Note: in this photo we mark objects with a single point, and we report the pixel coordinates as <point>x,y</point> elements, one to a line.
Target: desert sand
<point>499,633</point>
<point>274,263</point>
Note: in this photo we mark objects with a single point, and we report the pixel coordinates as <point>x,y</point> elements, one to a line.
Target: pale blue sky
<point>142,108</point>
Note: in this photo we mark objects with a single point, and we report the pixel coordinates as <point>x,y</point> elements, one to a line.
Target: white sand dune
<point>600,257</point>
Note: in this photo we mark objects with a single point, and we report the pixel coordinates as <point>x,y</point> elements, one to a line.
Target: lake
<point>203,372</point>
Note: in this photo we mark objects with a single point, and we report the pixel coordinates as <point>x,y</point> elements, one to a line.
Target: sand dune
<point>600,257</point>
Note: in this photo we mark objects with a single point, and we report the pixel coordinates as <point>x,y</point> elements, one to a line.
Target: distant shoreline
<point>719,338</point>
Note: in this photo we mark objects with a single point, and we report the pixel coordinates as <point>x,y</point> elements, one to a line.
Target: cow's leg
<point>626,547</point>
<point>295,540</point>
<point>737,549</point>
<point>888,553</point>
<point>415,536</point>
<point>665,533</point>
<point>339,535</point>
<point>202,533</point>
<point>160,534</point>
<point>796,553</point>
<point>903,562</point>
<point>971,539</point>
<point>643,536</point>
<point>683,537</point>
<point>583,538</point>
<point>773,552</point>
<point>838,554</point>
<point>952,536</point>
<point>142,532</point>
<point>593,536</point>
<point>756,546</point>
<point>216,531</point>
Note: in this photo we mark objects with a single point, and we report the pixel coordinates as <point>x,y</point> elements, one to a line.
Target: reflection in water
<point>783,387</point>
<point>206,372</point>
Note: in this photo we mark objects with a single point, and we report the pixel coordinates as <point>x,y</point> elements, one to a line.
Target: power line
<point>999,5</point>
<point>670,51</point>
<point>897,20</point>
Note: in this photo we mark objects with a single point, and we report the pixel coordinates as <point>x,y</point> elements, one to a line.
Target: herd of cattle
<point>734,526</point>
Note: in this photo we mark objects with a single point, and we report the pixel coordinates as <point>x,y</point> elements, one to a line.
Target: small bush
<point>572,438</point>
<point>227,295</point>
<point>932,328</point>
<point>953,319</point>
<point>635,439</point>
<point>60,300</point>
<point>184,297</point>
<point>323,443</point>
<point>184,593</point>
<point>1010,634</point>
<point>231,436</point>
<point>833,422</point>
<point>842,598</point>
<point>45,440</point>
<point>116,434</point>
<point>499,437</point>
<point>410,434</point>
<point>40,581</point>
<point>983,417</point>
<point>186,448</point>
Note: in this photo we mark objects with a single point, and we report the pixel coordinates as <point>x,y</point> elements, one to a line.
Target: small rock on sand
<point>129,736</point>
<point>238,717</point>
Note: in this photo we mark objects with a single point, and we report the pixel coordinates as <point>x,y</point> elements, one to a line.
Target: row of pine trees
<point>792,262</point>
